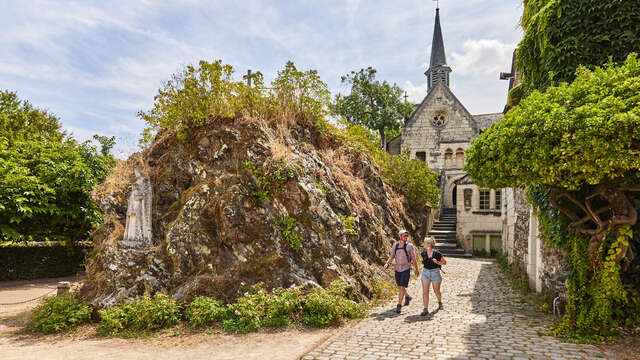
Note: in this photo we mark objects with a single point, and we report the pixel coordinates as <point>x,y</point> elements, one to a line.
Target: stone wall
<point>515,231</point>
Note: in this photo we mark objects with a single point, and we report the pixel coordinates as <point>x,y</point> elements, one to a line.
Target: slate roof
<point>437,45</point>
<point>483,121</point>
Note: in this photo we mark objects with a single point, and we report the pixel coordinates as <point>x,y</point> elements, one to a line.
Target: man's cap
<point>403,231</point>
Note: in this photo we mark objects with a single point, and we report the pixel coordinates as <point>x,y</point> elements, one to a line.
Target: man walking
<point>405,255</point>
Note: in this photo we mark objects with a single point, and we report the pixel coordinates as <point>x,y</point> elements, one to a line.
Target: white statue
<point>137,232</point>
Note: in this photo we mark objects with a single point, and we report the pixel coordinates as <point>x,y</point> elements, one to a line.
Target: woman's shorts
<point>402,278</point>
<point>432,275</point>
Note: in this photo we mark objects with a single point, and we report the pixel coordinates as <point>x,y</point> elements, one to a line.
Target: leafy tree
<point>19,119</point>
<point>561,35</point>
<point>45,177</point>
<point>581,141</point>
<point>376,105</point>
<point>304,90</point>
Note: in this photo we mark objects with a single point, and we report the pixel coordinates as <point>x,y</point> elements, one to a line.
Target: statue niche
<point>137,231</point>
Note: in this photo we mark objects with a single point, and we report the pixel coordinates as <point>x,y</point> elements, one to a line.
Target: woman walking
<point>432,259</point>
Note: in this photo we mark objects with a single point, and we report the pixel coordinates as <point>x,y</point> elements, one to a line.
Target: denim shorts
<point>432,275</point>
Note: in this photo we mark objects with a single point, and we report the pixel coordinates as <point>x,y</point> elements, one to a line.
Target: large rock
<point>211,232</point>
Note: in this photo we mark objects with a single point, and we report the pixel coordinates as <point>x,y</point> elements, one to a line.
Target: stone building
<point>439,132</point>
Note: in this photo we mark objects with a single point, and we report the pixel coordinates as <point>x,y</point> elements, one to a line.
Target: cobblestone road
<point>482,318</point>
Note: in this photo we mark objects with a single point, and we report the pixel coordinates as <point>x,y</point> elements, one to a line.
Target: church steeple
<point>438,70</point>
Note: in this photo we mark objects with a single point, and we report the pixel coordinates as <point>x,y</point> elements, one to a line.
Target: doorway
<point>454,195</point>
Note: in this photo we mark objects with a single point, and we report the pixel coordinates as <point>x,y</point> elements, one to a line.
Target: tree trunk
<point>608,220</point>
<point>383,139</point>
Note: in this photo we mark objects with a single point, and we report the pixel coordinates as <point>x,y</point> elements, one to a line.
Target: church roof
<point>437,45</point>
<point>483,121</point>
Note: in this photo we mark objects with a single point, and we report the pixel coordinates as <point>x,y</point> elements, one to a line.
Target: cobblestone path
<point>482,318</point>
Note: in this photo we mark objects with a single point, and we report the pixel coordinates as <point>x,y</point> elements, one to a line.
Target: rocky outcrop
<point>213,227</point>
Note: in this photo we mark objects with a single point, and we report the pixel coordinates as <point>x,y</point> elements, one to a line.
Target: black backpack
<point>403,248</point>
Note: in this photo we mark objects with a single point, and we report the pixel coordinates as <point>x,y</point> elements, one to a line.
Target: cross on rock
<point>248,76</point>
<point>405,96</point>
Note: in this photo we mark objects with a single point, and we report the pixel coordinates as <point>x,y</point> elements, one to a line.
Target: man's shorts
<point>432,275</point>
<point>402,278</point>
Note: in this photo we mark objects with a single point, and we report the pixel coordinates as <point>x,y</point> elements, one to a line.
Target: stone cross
<point>137,231</point>
<point>405,96</point>
<point>249,77</point>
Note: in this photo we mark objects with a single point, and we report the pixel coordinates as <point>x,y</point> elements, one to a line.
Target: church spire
<point>437,45</point>
<point>438,70</point>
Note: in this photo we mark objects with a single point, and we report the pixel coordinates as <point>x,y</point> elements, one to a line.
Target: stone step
<point>457,252</point>
<point>446,245</point>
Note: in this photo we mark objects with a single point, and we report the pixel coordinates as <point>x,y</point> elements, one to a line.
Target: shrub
<point>286,226</point>
<point>204,310</point>
<point>59,313</point>
<point>146,313</point>
<point>348,222</point>
<point>326,307</point>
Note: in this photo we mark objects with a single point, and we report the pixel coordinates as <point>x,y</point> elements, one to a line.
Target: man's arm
<point>391,256</point>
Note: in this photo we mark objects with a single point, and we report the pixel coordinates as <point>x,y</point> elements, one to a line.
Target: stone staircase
<point>444,231</point>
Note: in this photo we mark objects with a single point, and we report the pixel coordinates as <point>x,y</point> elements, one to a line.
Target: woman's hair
<point>430,240</point>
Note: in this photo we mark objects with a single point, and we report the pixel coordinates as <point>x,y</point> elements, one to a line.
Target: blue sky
<point>95,64</point>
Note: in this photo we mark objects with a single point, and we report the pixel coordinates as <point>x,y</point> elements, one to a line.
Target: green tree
<point>579,143</point>
<point>304,90</point>
<point>19,119</point>
<point>376,105</point>
<point>45,177</point>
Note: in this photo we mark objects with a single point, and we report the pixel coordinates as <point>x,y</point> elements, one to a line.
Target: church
<point>439,132</point>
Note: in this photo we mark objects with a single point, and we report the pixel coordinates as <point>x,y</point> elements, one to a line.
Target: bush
<point>59,313</point>
<point>326,307</point>
<point>204,310</point>
<point>143,314</point>
<point>25,261</point>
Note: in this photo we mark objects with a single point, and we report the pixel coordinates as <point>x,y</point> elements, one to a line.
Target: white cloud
<point>415,92</point>
<point>482,57</point>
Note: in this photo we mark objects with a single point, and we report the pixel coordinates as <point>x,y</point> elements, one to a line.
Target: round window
<point>439,120</point>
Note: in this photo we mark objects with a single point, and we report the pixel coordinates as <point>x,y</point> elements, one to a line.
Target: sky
<point>95,64</point>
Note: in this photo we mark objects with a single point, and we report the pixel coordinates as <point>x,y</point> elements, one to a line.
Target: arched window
<point>448,159</point>
<point>459,158</point>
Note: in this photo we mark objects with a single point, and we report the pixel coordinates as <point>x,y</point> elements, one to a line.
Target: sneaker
<point>398,307</point>
<point>424,312</point>
<point>440,307</point>
<point>407,300</point>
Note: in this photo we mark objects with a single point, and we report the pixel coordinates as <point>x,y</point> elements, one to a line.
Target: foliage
<point>25,260</point>
<point>376,105</point>
<point>45,189</point>
<point>348,222</point>
<point>559,36</point>
<point>204,310</point>
<point>19,120</point>
<point>304,91</point>
<point>143,314</point>
<point>322,189</point>
<point>59,313</point>
<point>570,136</point>
<point>575,146</point>
<point>287,225</point>
<point>327,307</point>
<point>271,177</point>
<point>192,97</point>
<point>410,177</point>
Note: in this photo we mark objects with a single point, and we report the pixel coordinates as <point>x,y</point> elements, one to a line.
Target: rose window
<point>438,120</point>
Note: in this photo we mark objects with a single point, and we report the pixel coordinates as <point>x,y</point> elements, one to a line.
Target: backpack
<point>403,248</point>
<point>424,259</point>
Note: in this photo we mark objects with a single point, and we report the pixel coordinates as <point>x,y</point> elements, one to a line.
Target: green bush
<point>327,307</point>
<point>59,313</point>
<point>25,261</point>
<point>146,313</point>
<point>204,310</point>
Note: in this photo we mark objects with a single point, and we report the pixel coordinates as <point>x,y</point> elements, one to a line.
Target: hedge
<point>26,261</point>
